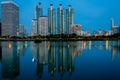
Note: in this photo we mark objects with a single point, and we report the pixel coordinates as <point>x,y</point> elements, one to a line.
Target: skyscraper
<point>43,25</point>
<point>61,27</point>
<point>69,18</point>
<point>33,31</point>
<point>10,18</point>
<point>51,20</point>
<point>38,12</point>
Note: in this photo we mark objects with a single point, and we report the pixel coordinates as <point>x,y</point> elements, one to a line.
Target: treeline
<point>63,37</point>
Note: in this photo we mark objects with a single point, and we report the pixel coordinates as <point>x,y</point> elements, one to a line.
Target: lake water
<point>80,60</point>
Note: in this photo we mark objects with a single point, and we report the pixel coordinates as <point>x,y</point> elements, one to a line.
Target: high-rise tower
<point>112,22</point>
<point>69,18</point>
<point>38,10</point>
<point>10,18</point>
<point>51,20</point>
<point>61,27</point>
<point>38,13</point>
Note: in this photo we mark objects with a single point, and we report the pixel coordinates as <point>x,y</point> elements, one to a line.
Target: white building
<point>33,31</point>
<point>76,28</point>
<point>21,31</point>
<point>43,25</point>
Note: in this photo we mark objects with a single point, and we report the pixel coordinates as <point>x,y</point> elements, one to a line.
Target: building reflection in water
<point>10,60</point>
<point>70,57</point>
<point>115,49</point>
<point>21,48</point>
<point>46,53</point>
<point>106,44</point>
<point>0,52</point>
<point>62,57</point>
<point>90,44</point>
<point>52,58</point>
<point>59,56</point>
<point>40,56</point>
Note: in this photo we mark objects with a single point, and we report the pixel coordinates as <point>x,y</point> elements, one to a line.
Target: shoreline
<point>60,39</point>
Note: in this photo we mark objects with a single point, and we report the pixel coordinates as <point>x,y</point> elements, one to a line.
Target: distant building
<point>61,15</point>
<point>87,33</point>
<point>33,31</point>
<point>43,25</point>
<point>101,32</point>
<point>69,18</point>
<point>38,12</point>
<point>115,29</point>
<point>76,28</point>
<point>51,20</point>
<point>108,33</point>
<point>21,32</point>
<point>10,18</point>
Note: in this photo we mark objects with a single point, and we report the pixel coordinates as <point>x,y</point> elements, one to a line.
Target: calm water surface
<point>81,60</point>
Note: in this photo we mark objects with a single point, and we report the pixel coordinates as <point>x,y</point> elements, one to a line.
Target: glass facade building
<point>69,18</point>
<point>10,18</point>
<point>61,27</point>
<point>51,20</point>
<point>38,12</point>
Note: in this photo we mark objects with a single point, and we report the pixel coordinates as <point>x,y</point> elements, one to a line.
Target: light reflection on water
<point>60,60</point>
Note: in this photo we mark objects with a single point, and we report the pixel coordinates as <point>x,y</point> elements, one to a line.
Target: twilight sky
<point>91,14</point>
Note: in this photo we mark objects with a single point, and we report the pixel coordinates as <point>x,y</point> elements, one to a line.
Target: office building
<point>51,20</point>
<point>69,18</point>
<point>115,29</point>
<point>10,18</point>
<point>21,31</point>
<point>43,25</point>
<point>38,12</point>
<point>61,27</point>
<point>33,31</point>
<point>76,28</point>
